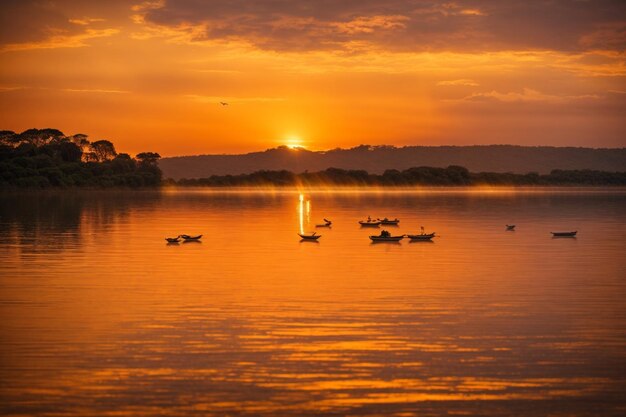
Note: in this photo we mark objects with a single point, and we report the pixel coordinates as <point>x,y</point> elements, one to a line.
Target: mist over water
<point>100,316</point>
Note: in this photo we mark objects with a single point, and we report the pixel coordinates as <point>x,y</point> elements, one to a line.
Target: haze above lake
<point>101,316</point>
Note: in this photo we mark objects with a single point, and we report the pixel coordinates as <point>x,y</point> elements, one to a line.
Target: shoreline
<point>478,189</point>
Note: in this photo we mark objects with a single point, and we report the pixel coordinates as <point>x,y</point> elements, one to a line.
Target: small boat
<point>510,227</point>
<point>188,238</point>
<point>564,234</point>
<point>327,223</point>
<point>310,236</point>
<point>173,239</point>
<point>389,222</point>
<point>422,236</point>
<point>386,238</point>
<point>369,223</point>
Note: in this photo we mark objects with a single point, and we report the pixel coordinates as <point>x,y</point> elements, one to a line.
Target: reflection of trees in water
<point>55,221</point>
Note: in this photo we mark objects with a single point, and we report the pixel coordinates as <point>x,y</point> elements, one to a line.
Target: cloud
<point>10,88</point>
<point>61,41</point>
<point>462,82</point>
<point>218,99</point>
<point>69,90</point>
<point>95,90</point>
<point>527,95</point>
<point>85,21</point>
<point>32,24</point>
<point>394,25</point>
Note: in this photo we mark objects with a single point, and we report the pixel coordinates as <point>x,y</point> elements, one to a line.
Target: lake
<point>100,316</point>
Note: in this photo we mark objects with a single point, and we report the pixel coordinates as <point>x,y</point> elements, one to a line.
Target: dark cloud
<point>31,21</point>
<point>566,25</point>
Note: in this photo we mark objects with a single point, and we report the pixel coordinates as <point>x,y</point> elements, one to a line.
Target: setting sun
<point>293,142</point>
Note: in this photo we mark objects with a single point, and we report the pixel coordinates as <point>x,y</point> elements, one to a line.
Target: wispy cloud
<point>85,21</point>
<point>215,71</point>
<point>95,90</point>
<point>218,99</point>
<point>461,82</point>
<point>527,95</point>
<point>10,88</point>
<point>61,41</point>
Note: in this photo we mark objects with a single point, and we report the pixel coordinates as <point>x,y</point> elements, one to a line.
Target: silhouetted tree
<point>47,158</point>
<point>90,157</point>
<point>148,157</point>
<point>103,149</point>
<point>80,140</point>
<point>39,137</point>
<point>70,152</point>
<point>453,175</point>
<point>7,137</point>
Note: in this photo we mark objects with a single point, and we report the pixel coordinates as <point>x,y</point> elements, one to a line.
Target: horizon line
<point>374,147</point>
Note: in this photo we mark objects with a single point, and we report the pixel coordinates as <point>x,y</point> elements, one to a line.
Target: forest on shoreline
<point>418,176</point>
<point>45,158</point>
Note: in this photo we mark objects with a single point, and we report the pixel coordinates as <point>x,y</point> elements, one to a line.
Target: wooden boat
<point>422,236</point>
<point>564,234</point>
<point>173,239</point>
<point>510,227</point>
<point>389,222</point>
<point>327,223</point>
<point>187,237</point>
<point>369,223</point>
<point>311,236</point>
<point>386,238</point>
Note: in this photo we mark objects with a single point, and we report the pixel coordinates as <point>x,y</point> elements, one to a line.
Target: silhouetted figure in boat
<point>385,233</point>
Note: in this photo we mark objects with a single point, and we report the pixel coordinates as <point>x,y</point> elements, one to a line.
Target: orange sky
<point>322,74</point>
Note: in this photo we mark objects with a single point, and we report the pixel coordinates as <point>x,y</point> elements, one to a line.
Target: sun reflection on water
<point>304,210</point>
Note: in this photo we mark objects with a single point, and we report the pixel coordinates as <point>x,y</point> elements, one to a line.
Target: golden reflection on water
<point>100,317</point>
<point>304,212</point>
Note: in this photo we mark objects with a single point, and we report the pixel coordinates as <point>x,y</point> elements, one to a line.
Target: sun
<point>293,142</point>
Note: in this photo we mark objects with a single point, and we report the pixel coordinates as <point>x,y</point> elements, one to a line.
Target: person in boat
<point>385,233</point>
<point>369,219</point>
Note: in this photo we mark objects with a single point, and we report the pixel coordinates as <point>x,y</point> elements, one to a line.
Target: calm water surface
<point>99,316</point>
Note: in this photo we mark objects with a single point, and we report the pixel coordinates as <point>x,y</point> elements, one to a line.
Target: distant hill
<point>377,159</point>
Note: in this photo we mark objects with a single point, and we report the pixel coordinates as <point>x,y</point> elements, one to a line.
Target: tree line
<point>41,158</point>
<point>425,176</point>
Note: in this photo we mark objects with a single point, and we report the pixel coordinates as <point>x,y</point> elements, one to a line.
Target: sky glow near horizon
<point>152,75</point>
